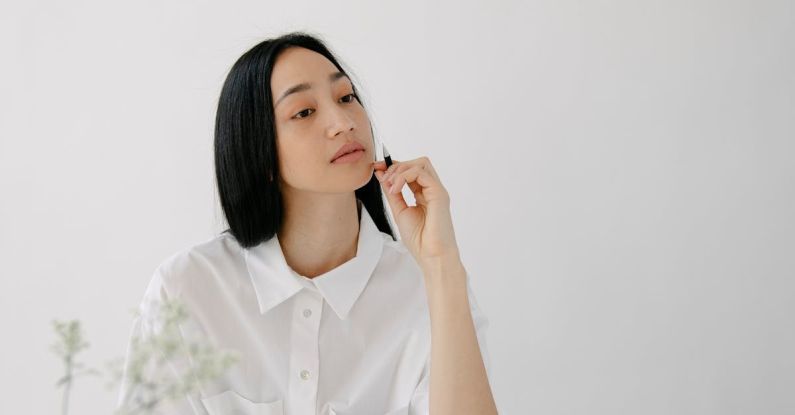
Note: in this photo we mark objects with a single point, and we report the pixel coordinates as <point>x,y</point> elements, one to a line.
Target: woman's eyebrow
<point>306,85</point>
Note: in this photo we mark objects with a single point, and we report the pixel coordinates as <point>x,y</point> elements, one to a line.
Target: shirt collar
<point>274,281</point>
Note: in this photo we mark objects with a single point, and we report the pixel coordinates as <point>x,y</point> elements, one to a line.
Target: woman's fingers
<point>396,201</point>
<point>388,176</point>
<point>418,174</point>
<point>400,177</point>
<point>394,169</point>
<point>414,176</point>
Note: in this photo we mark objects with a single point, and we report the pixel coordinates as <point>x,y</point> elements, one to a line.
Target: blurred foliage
<point>147,372</point>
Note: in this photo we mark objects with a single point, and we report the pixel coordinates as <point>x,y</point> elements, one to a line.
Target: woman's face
<point>313,123</point>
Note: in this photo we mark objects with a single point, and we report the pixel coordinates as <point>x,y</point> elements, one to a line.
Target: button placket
<point>304,351</point>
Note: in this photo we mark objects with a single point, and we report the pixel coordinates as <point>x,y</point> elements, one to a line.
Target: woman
<point>328,312</point>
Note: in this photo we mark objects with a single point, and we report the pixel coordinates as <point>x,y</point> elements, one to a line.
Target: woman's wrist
<point>444,266</point>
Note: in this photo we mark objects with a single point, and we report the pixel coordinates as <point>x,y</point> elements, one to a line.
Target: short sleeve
<point>144,326</point>
<point>420,400</point>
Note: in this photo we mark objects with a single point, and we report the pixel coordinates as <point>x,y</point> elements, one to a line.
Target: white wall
<point>621,174</point>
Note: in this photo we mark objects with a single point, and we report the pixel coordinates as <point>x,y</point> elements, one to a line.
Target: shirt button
<point>307,313</point>
<point>304,374</point>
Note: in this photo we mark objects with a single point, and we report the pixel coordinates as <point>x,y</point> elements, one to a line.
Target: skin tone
<point>458,379</point>
<point>320,206</point>
<point>321,217</point>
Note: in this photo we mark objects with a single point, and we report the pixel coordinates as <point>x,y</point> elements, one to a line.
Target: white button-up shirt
<point>355,340</point>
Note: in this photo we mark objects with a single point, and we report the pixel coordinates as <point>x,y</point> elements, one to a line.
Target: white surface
<point>623,170</point>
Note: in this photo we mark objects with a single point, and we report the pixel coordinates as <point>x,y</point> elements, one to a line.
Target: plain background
<point>621,175</point>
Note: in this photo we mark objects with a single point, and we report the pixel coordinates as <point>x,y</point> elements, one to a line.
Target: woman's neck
<point>318,236</point>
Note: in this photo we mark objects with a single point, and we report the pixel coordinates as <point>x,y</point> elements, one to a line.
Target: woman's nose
<point>341,121</point>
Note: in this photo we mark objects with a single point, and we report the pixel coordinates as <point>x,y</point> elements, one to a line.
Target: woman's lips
<point>350,157</point>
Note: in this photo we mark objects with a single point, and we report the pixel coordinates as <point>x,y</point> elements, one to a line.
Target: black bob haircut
<point>246,160</point>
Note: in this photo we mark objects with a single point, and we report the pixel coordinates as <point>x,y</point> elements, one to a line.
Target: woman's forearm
<point>458,384</point>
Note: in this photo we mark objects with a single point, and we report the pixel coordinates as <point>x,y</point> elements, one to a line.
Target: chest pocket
<point>400,411</point>
<point>230,402</point>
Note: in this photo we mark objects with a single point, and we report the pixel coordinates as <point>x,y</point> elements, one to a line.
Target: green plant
<point>145,368</point>
<point>70,342</point>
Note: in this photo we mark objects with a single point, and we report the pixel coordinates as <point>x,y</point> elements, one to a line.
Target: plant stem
<point>67,387</point>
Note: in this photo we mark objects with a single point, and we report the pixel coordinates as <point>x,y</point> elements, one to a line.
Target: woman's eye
<point>298,115</point>
<point>350,95</point>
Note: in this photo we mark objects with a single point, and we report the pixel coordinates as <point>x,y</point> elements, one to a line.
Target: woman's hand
<point>427,228</point>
